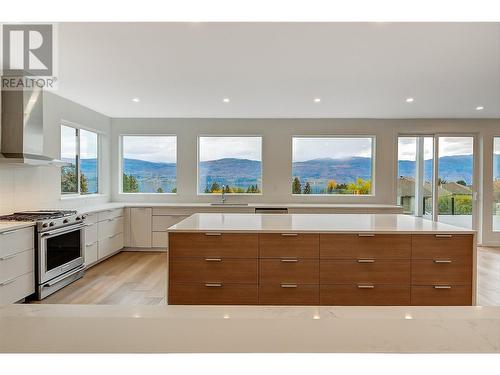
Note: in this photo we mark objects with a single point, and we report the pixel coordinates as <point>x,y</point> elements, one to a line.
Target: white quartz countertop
<point>113,205</point>
<point>6,226</point>
<point>248,329</point>
<point>317,223</point>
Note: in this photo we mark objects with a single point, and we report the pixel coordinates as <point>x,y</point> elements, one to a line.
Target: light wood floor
<point>128,278</point>
<point>140,278</point>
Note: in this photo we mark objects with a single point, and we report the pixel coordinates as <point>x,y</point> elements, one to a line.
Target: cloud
<point>156,148</point>
<point>334,148</point>
<point>213,148</point>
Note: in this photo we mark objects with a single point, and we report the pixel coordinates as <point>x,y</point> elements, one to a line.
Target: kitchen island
<point>320,259</point>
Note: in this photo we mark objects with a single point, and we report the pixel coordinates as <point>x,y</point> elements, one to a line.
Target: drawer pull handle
<point>442,286</point>
<point>10,256</point>
<point>289,285</point>
<point>289,260</point>
<point>213,285</point>
<point>213,234</point>
<point>8,282</point>
<point>114,235</point>
<point>90,244</point>
<point>366,260</point>
<point>11,231</point>
<point>366,286</point>
<point>289,234</point>
<point>366,235</point>
<point>443,236</point>
<point>213,259</point>
<point>442,261</point>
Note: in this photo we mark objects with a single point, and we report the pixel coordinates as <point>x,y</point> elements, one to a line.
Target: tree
<point>441,181</point>
<point>69,183</point>
<point>130,184</point>
<point>307,188</point>
<point>174,190</point>
<point>296,186</point>
<point>330,186</point>
<point>215,188</point>
<point>159,190</point>
<point>84,186</point>
<point>462,182</point>
<point>360,186</point>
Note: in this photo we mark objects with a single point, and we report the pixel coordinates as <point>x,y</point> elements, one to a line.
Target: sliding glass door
<point>436,178</point>
<point>415,175</point>
<point>456,186</point>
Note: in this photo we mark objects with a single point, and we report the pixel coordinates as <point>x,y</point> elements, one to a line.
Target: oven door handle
<point>63,230</point>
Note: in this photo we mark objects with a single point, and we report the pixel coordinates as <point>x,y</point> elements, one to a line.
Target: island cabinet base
<point>365,269</point>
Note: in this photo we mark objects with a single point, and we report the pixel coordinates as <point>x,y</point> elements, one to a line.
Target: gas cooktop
<point>40,215</point>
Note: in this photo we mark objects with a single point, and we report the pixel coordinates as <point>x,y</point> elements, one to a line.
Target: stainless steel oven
<point>60,250</point>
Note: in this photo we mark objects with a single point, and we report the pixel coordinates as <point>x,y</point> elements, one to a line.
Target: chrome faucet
<point>223,194</point>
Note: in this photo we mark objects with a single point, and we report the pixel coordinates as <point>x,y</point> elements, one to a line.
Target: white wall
<point>25,187</point>
<point>277,150</point>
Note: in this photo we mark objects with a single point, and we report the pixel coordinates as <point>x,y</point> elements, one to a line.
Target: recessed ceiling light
<point>479,108</point>
<point>410,100</point>
<point>226,100</point>
<point>136,100</point>
<point>317,100</point>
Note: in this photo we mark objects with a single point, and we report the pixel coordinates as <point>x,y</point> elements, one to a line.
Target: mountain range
<point>244,172</point>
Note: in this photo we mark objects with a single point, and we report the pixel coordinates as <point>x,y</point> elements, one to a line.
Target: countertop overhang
<point>313,223</point>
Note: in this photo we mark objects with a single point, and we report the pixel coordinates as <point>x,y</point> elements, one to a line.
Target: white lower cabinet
<point>17,265</point>
<point>91,255</point>
<point>16,289</point>
<point>140,226</point>
<point>103,235</point>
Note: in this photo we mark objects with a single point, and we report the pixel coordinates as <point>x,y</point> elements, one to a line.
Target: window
<point>415,170</point>
<point>333,165</point>
<point>496,184</point>
<point>79,148</point>
<point>230,163</point>
<point>149,164</point>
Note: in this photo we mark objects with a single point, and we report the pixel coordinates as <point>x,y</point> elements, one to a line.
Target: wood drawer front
<point>17,289</point>
<point>200,294</point>
<point>211,270</point>
<point>352,295</point>
<point>289,270</point>
<point>277,294</point>
<point>110,228</point>
<point>16,241</point>
<point>17,265</point>
<point>277,245</point>
<point>352,272</point>
<point>213,245</point>
<point>457,295</point>
<point>431,246</point>
<point>356,246</point>
<point>428,272</point>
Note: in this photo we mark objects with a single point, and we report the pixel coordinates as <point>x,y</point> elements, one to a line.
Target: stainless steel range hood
<point>22,128</point>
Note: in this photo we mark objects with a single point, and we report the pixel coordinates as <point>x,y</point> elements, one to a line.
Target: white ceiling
<point>277,69</point>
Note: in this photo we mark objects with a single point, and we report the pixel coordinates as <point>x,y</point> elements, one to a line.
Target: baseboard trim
<point>148,249</point>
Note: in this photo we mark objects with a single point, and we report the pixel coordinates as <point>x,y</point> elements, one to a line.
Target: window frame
<point>121,169</point>
<point>198,193</point>
<point>494,137</point>
<point>78,128</point>
<point>372,194</point>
